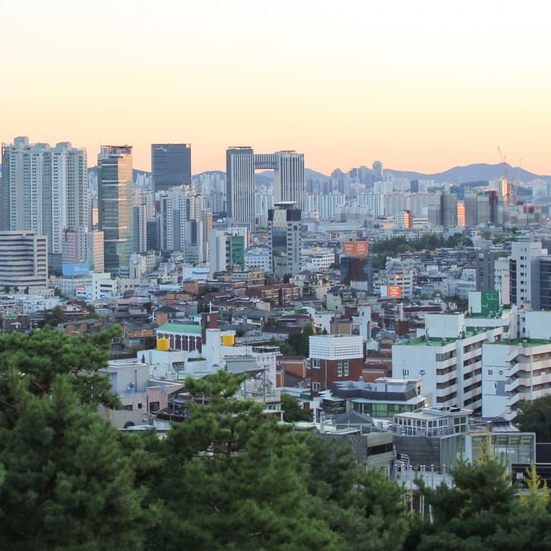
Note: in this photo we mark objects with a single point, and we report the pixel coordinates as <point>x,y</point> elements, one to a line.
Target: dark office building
<point>170,165</point>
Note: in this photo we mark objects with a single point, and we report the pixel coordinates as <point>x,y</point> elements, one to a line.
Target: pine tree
<point>67,484</point>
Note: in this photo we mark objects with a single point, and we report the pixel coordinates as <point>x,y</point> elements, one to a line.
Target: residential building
<point>44,189</point>
<point>380,400</point>
<point>524,268</point>
<point>334,358</point>
<point>517,369</point>
<point>227,250</point>
<point>448,359</point>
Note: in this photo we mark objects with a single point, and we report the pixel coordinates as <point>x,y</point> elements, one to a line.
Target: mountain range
<point>458,175</point>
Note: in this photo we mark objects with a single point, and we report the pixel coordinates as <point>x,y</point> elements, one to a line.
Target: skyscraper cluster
<point>46,190</point>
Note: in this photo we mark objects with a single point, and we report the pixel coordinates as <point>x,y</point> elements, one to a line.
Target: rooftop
<point>180,328</point>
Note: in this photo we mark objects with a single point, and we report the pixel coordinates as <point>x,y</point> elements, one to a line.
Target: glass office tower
<point>116,218</point>
<point>170,165</point>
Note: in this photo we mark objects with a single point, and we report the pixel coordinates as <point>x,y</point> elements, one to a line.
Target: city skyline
<point>421,86</point>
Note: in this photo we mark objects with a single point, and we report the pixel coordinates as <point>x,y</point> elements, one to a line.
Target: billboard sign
<point>195,274</point>
<point>71,270</point>
<point>489,302</point>
<point>354,248</point>
<point>391,291</point>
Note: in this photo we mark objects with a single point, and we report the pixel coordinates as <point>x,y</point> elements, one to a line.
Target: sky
<point>422,85</point>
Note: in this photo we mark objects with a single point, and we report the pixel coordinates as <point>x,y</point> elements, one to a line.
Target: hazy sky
<point>417,84</point>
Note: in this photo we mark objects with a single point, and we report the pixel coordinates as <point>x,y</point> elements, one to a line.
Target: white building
<point>45,189</point>
<point>518,368</point>
<point>448,359</point>
<point>524,266</point>
<point>23,260</point>
<point>258,258</point>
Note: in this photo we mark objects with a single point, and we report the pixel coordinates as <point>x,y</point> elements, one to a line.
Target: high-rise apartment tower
<point>44,189</point>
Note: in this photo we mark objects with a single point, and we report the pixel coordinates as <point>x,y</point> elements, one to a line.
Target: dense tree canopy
<point>229,477</point>
<point>381,250</point>
<point>66,482</point>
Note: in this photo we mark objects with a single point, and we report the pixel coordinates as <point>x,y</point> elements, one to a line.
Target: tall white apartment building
<point>524,272</point>
<point>448,359</point>
<point>44,189</point>
<point>517,369</point>
<point>324,207</point>
<point>178,206</point>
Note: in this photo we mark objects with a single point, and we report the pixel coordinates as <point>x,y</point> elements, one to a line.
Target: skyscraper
<point>170,165</point>
<point>240,187</point>
<point>115,205</point>
<point>289,178</point>
<point>241,162</point>
<point>44,189</point>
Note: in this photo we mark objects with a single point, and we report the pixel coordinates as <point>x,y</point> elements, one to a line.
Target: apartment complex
<point>45,190</point>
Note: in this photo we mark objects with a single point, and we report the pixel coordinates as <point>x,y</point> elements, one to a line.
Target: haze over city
<point>420,85</point>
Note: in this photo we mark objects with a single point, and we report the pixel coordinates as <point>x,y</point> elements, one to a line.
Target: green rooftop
<point>437,341</point>
<point>180,328</point>
<point>525,341</point>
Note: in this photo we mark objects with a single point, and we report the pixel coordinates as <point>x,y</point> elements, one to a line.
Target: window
<point>316,363</point>
<point>346,367</point>
<point>316,387</point>
<point>339,369</point>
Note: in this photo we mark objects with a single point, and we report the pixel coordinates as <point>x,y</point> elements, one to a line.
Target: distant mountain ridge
<point>458,175</point>
<point>471,173</point>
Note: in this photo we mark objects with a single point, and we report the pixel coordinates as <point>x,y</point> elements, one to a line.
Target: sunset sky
<point>420,85</point>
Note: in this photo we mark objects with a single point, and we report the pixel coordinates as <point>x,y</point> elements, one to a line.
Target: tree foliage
<point>482,512</point>
<point>535,416</point>
<point>292,411</point>
<point>66,482</point>
<point>381,250</point>
<point>229,477</point>
<point>297,344</point>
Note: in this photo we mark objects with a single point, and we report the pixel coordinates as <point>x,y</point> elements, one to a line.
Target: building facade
<point>115,205</point>
<point>240,187</point>
<point>170,165</point>
<point>23,260</point>
<point>284,224</point>
<point>448,360</point>
<point>334,358</point>
<point>241,163</point>
<point>44,189</point>
<point>524,264</point>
